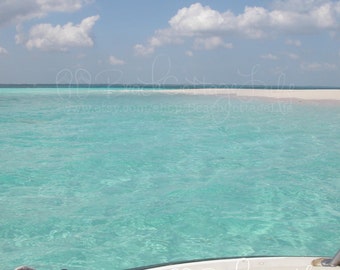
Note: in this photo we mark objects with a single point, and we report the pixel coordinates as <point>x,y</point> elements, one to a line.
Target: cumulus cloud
<point>18,11</point>
<point>115,61</point>
<point>196,18</point>
<point>285,17</point>
<point>211,43</point>
<point>143,50</point>
<point>60,38</point>
<point>61,5</point>
<point>3,50</point>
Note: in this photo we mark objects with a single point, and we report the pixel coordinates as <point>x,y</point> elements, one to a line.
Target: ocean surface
<point>111,179</point>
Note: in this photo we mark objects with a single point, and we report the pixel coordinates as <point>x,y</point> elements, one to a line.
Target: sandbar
<point>305,94</point>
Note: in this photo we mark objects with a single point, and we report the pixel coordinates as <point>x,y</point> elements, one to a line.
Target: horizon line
<point>164,86</point>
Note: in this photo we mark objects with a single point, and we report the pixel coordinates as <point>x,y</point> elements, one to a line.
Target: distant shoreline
<point>317,94</point>
<point>169,86</point>
<point>305,94</point>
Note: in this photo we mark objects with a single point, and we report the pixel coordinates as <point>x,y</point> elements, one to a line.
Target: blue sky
<point>272,42</point>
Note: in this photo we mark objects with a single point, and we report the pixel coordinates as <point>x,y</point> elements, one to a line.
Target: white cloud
<point>252,23</point>
<point>61,5</point>
<point>211,43</point>
<point>196,18</point>
<point>18,11</point>
<point>189,53</point>
<point>300,6</point>
<point>3,50</point>
<point>286,17</point>
<point>60,38</point>
<point>161,37</point>
<point>143,50</point>
<point>115,61</point>
<point>269,56</point>
<point>318,66</point>
<point>293,42</point>
<point>292,56</point>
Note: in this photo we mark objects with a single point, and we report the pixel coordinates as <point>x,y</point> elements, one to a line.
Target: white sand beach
<point>291,94</point>
<point>305,94</point>
<point>313,95</point>
<point>302,94</point>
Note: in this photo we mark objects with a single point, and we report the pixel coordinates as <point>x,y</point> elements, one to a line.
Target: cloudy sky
<point>272,42</point>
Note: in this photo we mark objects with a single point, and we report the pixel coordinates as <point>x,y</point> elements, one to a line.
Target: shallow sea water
<point>112,180</point>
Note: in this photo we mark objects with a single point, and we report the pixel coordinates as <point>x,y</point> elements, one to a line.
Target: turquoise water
<point>111,180</point>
